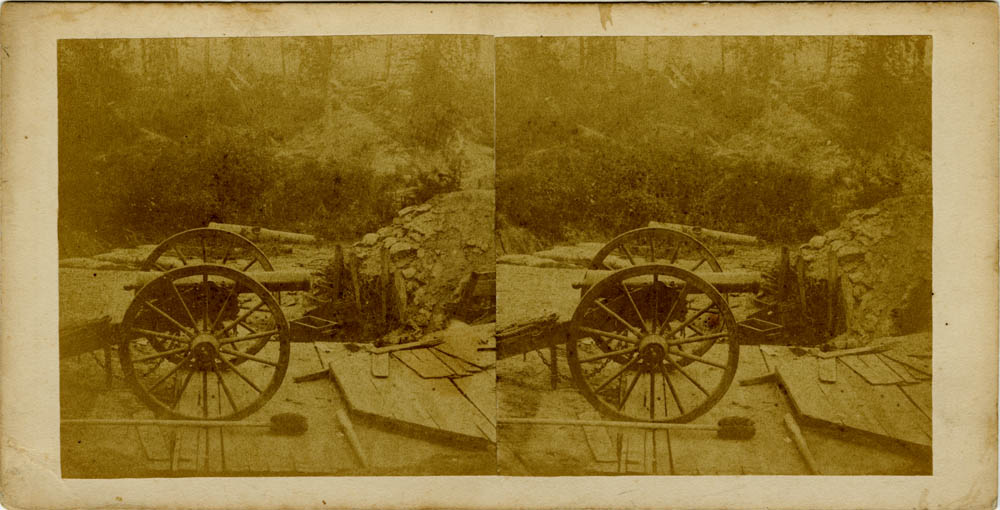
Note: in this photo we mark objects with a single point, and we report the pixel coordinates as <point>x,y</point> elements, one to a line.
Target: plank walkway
<point>607,450</point>
<point>421,395</point>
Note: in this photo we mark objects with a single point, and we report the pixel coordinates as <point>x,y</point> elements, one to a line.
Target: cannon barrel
<point>724,282</point>
<point>273,281</point>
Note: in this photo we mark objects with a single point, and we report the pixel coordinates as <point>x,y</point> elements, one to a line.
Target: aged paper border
<point>965,254</point>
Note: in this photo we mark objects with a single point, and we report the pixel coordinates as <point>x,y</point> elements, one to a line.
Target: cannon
<point>653,337</point>
<point>204,337</point>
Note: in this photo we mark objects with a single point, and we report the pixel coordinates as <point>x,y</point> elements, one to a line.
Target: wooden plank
<point>852,402</point>
<point>214,449</point>
<point>459,367</point>
<point>661,449</point>
<point>235,452</point>
<point>878,406</point>
<point>380,365</point>
<point>885,373</point>
<point>186,449</point>
<point>481,390</point>
<point>598,440</point>
<point>870,374</point>
<point>909,423</point>
<point>403,396</point>
<point>649,453</point>
<point>427,367</point>
<point>920,365</point>
<point>920,395</point>
<point>799,379</point>
<point>351,373</point>
<point>827,370</point>
<point>151,438</point>
<point>774,355</point>
<point>847,301</point>
<point>452,411</point>
<point>900,370</point>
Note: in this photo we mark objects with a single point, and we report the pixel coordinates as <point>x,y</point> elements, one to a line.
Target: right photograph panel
<point>714,255</point>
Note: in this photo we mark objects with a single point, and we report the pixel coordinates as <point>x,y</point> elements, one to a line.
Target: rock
<point>409,273</point>
<point>369,239</point>
<point>415,237</point>
<point>422,208</point>
<point>850,253</point>
<point>388,242</point>
<point>870,212</point>
<point>836,245</point>
<point>384,231</point>
<point>401,248</point>
<point>817,242</point>
<point>406,210</point>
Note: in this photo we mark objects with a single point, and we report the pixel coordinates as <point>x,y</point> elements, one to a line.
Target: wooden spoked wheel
<point>184,342</point>
<point>209,246</point>
<point>206,246</point>
<point>669,355</point>
<point>655,245</point>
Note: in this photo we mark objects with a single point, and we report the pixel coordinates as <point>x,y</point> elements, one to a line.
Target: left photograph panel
<point>277,256</point>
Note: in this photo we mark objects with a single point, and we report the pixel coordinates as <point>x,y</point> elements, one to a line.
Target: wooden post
<point>384,284</point>
<point>335,273</point>
<point>399,283</point>
<point>831,293</point>
<point>352,268</point>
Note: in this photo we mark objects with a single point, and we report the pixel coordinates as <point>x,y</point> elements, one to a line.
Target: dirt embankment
<point>883,255</point>
<point>434,247</point>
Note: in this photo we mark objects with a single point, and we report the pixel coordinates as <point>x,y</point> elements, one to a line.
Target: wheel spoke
<point>204,297</point>
<point>249,357</point>
<point>187,310</point>
<point>607,355</point>
<point>652,395</point>
<point>634,306</point>
<point>159,267</point>
<point>693,339</point>
<point>616,374</point>
<point>696,266</point>
<point>204,250</point>
<point>699,359</point>
<point>681,298</point>
<point>240,374</point>
<point>161,354</point>
<point>252,262</point>
<point>180,392</point>
<point>652,250</point>
<point>204,392</point>
<point>631,385</point>
<point>675,253</point>
<point>691,319</point>
<point>170,373</point>
<point>225,256</point>
<point>169,318</point>
<point>262,334</point>
<point>242,317</point>
<point>165,336</point>
<point>635,331</point>
<point>222,309</point>
<point>608,334</point>
<point>225,387</point>
<point>177,250</point>
<point>692,379</point>
<point>628,254</point>
<point>673,392</point>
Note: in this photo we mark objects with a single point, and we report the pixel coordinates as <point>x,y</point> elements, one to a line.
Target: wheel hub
<point>203,351</point>
<point>652,350</point>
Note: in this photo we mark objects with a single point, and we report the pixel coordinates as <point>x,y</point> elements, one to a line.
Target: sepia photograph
<point>499,255</point>
<point>276,256</point>
<point>714,255</point>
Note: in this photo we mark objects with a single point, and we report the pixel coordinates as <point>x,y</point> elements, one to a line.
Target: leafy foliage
<point>772,136</point>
